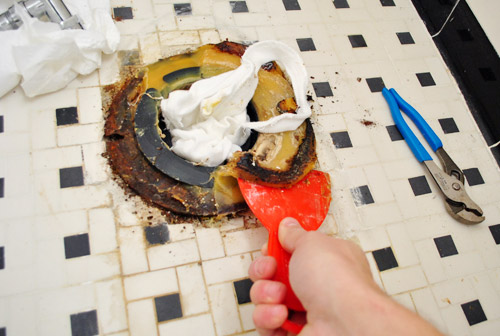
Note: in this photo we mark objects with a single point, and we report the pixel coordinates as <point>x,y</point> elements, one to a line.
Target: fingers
<point>269,317</point>
<point>262,268</point>
<point>290,233</point>
<point>267,291</point>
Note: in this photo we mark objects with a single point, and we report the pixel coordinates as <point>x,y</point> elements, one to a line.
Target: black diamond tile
<point>487,74</point>
<point>474,312</point>
<point>3,331</point>
<point>183,9</point>
<point>2,187</point>
<point>84,324</point>
<point>341,139</point>
<point>425,79</point>
<point>306,44</point>
<point>242,289</point>
<point>385,259</point>
<point>405,38</point>
<point>387,3</point>
<point>375,84</point>
<point>362,195</point>
<point>239,6</point>
<point>2,257</point>
<point>448,125</point>
<point>394,133</point>
<point>1,124</point>
<point>322,89</point>
<point>71,177</point>
<point>291,5</point>
<point>419,185</point>
<point>168,307</point>
<point>340,4</point>
<point>357,41</point>
<point>66,116</point>
<point>445,245</point>
<point>495,232</point>
<point>465,35</point>
<point>158,234</point>
<point>123,13</point>
<point>76,246</point>
<point>473,176</point>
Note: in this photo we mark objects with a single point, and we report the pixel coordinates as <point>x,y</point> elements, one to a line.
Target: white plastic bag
<point>47,58</point>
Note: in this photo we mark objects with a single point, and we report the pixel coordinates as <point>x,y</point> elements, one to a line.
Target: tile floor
<point>79,257</point>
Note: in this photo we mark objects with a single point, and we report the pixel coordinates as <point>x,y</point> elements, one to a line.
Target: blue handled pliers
<point>450,179</point>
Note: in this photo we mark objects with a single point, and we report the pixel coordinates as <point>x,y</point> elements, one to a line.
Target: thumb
<point>289,233</point>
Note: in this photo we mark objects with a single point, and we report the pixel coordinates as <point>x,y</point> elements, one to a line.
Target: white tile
<point>402,245</point>
<point>132,250</point>
<point>209,243</point>
<point>245,241</point>
<point>142,318</point>
<point>83,197</point>
<point>453,292</point>
<point>49,266</point>
<point>195,22</point>
<point>79,134</point>
<point>96,168</point>
<point>43,129</point>
<point>57,99</point>
<point>398,280</point>
<point>125,213</point>
<point>380,214</point>
<point>246,315</point>
<point>13,143</point>
<point>150,284</point>
<point>209,36</point>
<point>191,326</point>
<point>179,38</point>
<point>150,48</point>
<point>232,224</point>
<point>110,69</point>
<point>373,239</point>
<point>192,289</point>
<point>463,264</point>
<point>92,268</point>
<point>102,230</point>
<point>405,300</point>
<point>60,225</point>
<point>486,328</point>
<point>56,158</point>
<point>111,306</point>
<point>430,261</point>
<point>89,105</point>
<point>225,269</point>
<point>378,183</point>
<point>224,309</point>
<point>427,308</point>
<point>180,232</point>
<point>489,298</point>
<point>173,254</point>
<point>455,321</point>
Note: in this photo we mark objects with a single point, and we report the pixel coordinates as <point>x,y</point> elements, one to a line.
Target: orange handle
<point>283,260</point>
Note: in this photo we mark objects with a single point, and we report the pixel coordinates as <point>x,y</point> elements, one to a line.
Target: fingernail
<point>290,222</point>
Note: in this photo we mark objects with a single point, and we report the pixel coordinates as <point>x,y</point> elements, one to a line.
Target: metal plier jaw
<point>450,179</point>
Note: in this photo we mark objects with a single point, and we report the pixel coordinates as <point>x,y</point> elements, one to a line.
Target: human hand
<point>332,279</point>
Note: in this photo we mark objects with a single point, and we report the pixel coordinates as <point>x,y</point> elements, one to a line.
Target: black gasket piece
<point>157,151</point>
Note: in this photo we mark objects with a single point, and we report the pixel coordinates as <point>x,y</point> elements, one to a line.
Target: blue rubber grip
<point>428,133</point>
<point>415,145</point>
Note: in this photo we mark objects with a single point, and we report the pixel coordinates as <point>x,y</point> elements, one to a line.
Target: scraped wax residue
<point>209,122</point>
